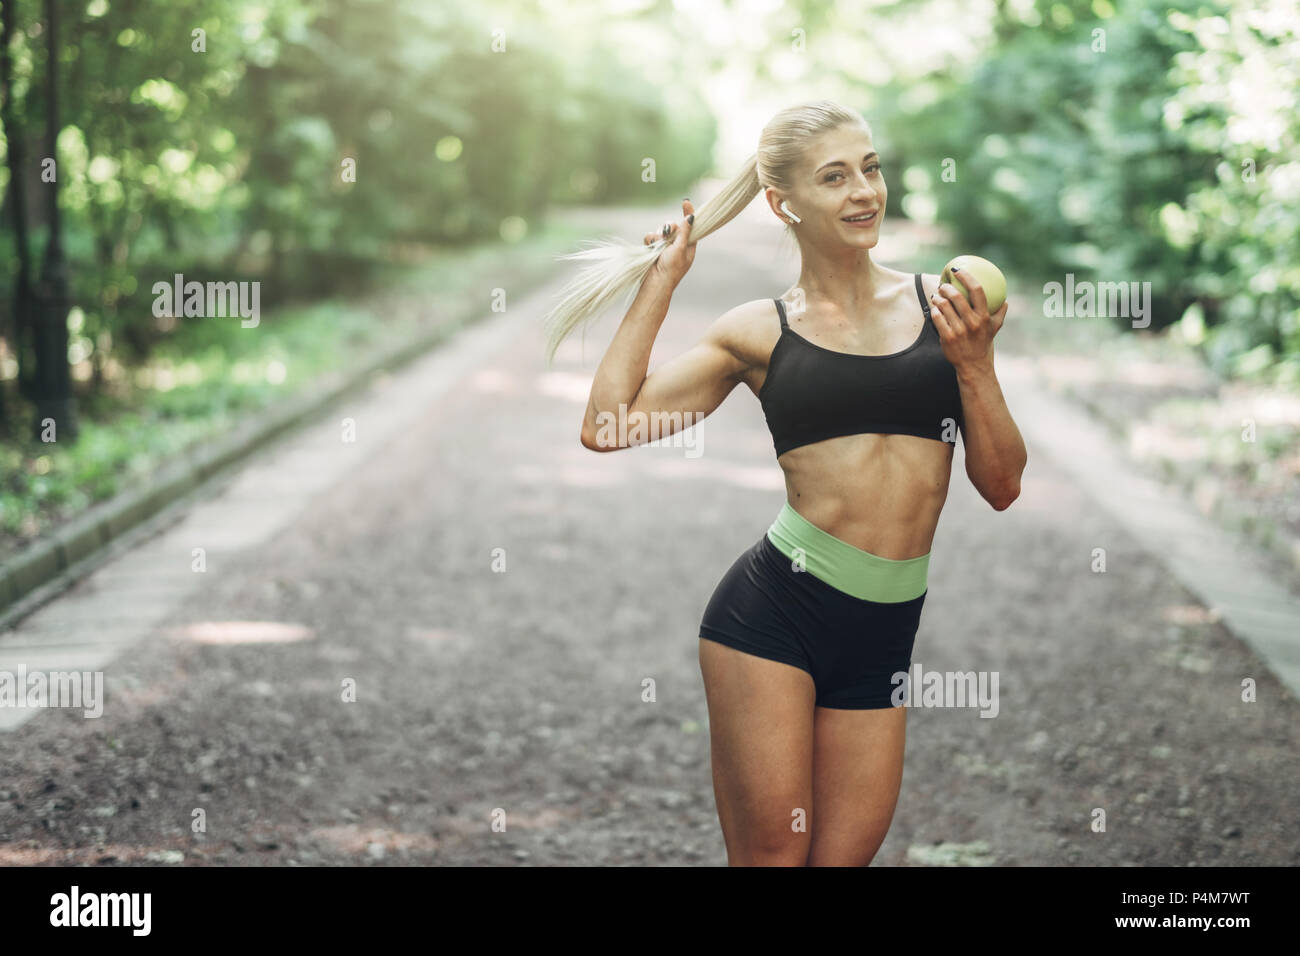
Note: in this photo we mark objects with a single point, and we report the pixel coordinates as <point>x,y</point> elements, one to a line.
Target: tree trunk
<point>24,303</point>
<point>53,392</point>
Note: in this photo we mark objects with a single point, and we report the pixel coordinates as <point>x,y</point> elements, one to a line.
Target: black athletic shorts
<point>852,647</point>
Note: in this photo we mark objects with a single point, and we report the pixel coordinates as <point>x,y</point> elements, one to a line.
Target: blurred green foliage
<point>219,138</point>
<point>1148,141</point>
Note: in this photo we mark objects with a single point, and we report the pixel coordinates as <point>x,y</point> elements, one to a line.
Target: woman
<point>864,392</point>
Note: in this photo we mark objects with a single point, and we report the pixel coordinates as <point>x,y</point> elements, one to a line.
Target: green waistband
<point>862,574</point>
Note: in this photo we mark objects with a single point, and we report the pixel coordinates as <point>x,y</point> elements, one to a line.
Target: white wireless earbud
<point>786,210</point>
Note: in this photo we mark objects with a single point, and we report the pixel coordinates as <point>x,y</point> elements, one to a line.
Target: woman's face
<point>838,178</point>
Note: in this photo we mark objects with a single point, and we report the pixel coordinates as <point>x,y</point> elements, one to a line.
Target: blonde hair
<point>618,267</point>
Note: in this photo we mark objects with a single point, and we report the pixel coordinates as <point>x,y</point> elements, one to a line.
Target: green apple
<point>986,274</point>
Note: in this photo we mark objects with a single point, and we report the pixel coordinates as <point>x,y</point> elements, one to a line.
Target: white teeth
<point>860,218</point>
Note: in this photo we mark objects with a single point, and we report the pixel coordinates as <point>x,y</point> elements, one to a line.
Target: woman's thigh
<point>857,774</point>
<point>761,749</point>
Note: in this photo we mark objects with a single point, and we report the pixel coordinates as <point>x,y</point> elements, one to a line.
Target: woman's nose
<point>863,189</point>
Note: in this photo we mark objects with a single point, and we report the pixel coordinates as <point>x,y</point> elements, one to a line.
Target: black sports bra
<point>813,393</point>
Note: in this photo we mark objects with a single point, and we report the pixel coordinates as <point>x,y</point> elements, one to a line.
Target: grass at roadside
<point>212,373</point>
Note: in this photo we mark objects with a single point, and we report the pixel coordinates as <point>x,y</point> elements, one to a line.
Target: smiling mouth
<point>862,217</point>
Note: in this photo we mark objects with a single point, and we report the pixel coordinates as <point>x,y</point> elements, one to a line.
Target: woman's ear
<point>774,201</point>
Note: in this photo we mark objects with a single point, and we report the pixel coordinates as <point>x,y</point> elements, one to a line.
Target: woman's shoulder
<point>749,317</point>
<point>749,330</point>
<point>929,280</point>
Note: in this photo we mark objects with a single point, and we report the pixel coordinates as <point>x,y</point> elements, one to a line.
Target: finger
<point>943,313</point>
<point>944,303</point>
<point>977,297</point>
<point>940,320</point>
<point>651,238</point>
<point>998,317</point>
<point>960,304</point>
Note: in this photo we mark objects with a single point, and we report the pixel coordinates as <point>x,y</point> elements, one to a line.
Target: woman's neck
<point>851,282</point>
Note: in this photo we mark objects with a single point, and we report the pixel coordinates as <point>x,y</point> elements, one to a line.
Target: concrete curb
<point>1225,571</point>
<point>1207,493</point>
<point>81,537</point>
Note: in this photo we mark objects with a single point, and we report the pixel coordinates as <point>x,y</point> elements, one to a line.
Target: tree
<point>52,385</point>
<point>23,300</point>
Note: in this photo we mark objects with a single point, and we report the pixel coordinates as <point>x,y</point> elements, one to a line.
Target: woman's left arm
<point>995,452</point>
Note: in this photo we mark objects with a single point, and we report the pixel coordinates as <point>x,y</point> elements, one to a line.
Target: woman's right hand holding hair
<point>678,252</point>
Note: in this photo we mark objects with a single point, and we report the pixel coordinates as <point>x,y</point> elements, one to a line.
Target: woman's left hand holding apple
<point>966,329</point>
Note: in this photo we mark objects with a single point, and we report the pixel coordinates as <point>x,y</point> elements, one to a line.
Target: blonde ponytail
<point>618,267</point>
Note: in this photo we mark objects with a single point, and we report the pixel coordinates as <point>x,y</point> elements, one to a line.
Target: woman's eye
<point>874,166</point>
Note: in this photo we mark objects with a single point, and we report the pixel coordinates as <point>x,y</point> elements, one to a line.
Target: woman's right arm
<point>677,394</point>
